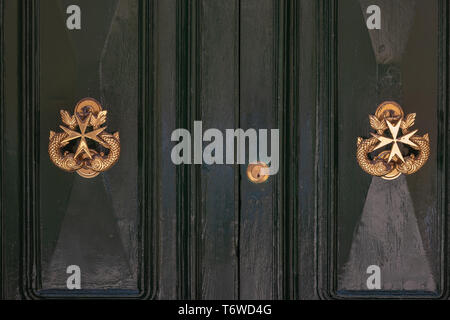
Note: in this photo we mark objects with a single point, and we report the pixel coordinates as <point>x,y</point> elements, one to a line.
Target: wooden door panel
<point>219,102</point>
<point>397,225</point>
<point>90,223</point>
<point>96,224</point>
<point>165,102</point>
<point>236,239</point>
<point>258,109</point>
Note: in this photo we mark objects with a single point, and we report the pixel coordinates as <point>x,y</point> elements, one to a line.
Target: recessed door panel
<point>394,225</point>
<point>94,225</point>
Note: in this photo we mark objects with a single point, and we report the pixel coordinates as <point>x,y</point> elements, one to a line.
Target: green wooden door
<point>150,229</point>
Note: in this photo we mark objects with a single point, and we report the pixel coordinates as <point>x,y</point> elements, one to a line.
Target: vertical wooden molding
<point>290,133</point>
<point>149,141</point>
<point>325,146</point>
<point>196,192</point>
<point>2,80</point>
<point>30,148</point>
<point>279,99</point>
<point>285,210</point>
<point>188,110</point>
<point>181,170</point>
<point>443,140</point>
<point>237,124</point>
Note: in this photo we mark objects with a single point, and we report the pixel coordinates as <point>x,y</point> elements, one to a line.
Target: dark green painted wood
<point>165,101</point>
<point>258,219</point>
<point>354,88</point>
<point>304,272</point>
<point>199,231</point>
<point>2,102</point>
<point>106,222</point>
<point>359,71</point>
<point>11,272</point>
<point>219,64</point>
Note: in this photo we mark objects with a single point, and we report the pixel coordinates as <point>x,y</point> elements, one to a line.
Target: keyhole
<point>254,172</point>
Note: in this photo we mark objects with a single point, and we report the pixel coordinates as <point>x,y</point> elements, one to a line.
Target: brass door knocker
<point>390,164</point>
<point>96,150</point>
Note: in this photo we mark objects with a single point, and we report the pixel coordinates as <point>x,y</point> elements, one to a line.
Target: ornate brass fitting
<point>85,125</point>
<point>390,164</point>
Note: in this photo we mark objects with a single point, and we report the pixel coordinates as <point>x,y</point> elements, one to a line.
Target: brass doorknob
<point>391,163</point>
<point>256,172</point>
<point>94,150</point>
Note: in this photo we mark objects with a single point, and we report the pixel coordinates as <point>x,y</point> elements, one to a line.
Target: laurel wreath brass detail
<point>95,150</point>
<point>390,164</point>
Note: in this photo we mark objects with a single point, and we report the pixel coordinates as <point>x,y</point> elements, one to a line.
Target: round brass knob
<point>255,172</point>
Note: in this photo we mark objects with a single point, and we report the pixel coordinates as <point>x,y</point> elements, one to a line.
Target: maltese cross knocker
<point>84,146</point>
<point>393,134</point>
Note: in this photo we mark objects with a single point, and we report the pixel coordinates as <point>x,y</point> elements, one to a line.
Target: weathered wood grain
<point>220,105</point>
<point>165,102</point>
<point>107,204</point>
<point>397,17</point>
<point>257,110</point>
<point>377,236</point>
<point>309,68</point>
<point>388,236</point>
